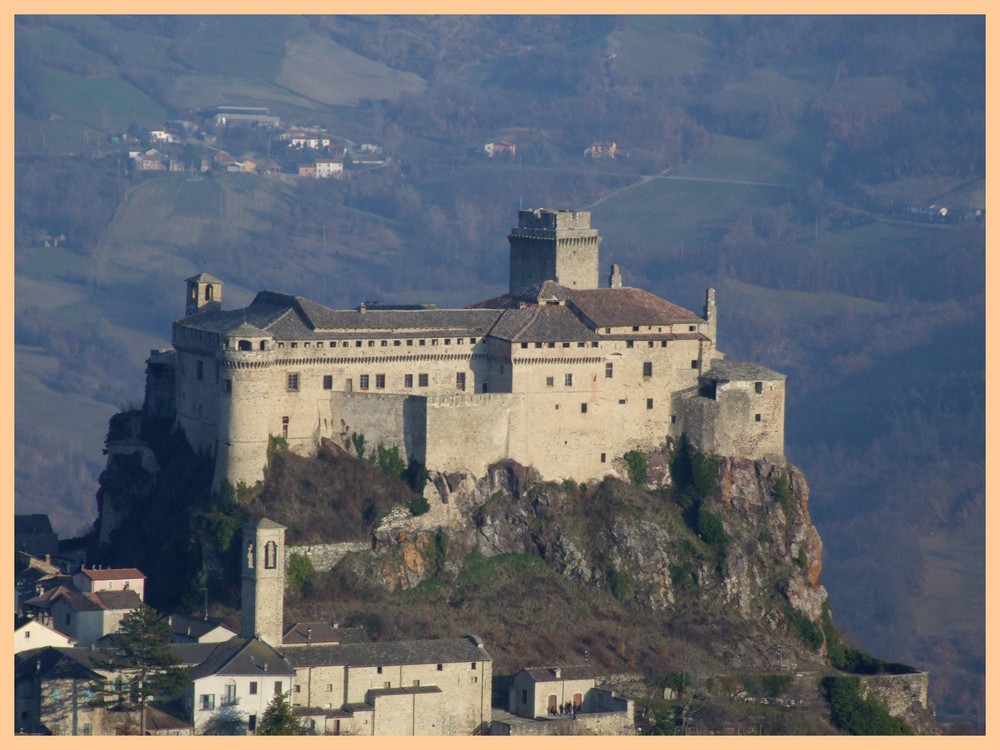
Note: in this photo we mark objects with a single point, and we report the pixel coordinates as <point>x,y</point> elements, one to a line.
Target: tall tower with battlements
<point>553,245</point>
<point>263,565</point>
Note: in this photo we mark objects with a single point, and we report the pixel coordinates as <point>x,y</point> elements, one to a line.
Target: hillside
<point>768,157</point>
<point>709,574</point>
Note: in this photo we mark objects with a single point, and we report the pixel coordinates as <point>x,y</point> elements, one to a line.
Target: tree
<point>140,651</point>
<point>279,718</point>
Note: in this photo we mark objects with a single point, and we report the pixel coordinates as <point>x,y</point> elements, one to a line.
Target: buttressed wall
<point>564,377</point>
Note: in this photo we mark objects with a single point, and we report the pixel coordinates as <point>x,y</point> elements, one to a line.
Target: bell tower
<point>263,598</point>
<point>204,292</point>
<point>553,245</point>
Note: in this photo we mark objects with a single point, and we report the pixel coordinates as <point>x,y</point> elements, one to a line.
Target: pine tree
<point>279,718</point>
<point>140,651</point>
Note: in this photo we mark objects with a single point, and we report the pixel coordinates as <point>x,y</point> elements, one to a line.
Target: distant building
<point>601,150</point>
<point>498,148</point>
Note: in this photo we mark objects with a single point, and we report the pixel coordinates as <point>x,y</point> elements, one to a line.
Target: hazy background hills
<point>770,157</point>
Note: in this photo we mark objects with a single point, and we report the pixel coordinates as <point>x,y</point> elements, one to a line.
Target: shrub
<point>808,631</point>
<point>301,574</point>
<point>637,466</point>
<point>858,715</point>
<point>276,443</point>
<point>621,585</point>
<point>418,505</point>
<point>358,441</point>
<point>390,462</point>
<point>415,476</point>
<point>710,529</point>
<point>783,494</point>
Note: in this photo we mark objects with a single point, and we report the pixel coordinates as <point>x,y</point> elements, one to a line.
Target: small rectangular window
<point>472,340</point>
<point>387,684</point>
<point>380,381</point>
<point>629,344</point>
<point>691,328</point>
<point>422,380</point>
<point>673,419</point>
<point>434,342</point>
<point>447,342</point>
<point>378,670</point>
<point>207,702</point>
<point>524,344</point>
<point>460,381</point>
<point>550,381</point>
<point>383,342</point>
<point>371,342</point>
<point>758,387</point>
<point>647,369</point>
<point>396,342</point>
<point>650,344</point>
<point>609,370</point>
<point>229,386</point>
<point>756,417</point>
<point>357,344</point>
<point>473,665</point>
<point>409,342</point>
<point>298,688</point>
<point>329,687</point>
<point>649,403</point>
<point>604,458</point>
<point>295,345</point>
<point>460,341</point>
<point>594,344</point>
<point>538,344</point>
<point>583,408</point>
<point>416,683</point>
<point>423,342</point>
<point>694,364</point>
<point>252,723</point>
<point>253,688</point>
<point>440,667</point>
<point>408,381</point>
<point>293,381</point>
<point>363,382</point>
<point>568,379</point>
<point>328,382</point>
<point>277,687</point>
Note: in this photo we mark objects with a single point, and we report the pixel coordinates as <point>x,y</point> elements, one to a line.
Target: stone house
<point>83,616</point>
<point>186,629</point>
<point>90,580</point>
<point>557,695</point>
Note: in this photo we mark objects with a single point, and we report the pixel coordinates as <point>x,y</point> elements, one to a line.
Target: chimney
<point>615,279</point>
<point>558,672</point>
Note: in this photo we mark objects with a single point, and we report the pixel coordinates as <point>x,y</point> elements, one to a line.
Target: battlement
<point>549,222</point>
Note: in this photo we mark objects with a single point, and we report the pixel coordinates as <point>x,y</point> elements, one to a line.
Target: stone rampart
<point>325,556</point>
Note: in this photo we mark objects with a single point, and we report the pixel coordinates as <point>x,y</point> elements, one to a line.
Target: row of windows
<point>207,700</point>
<point>381,342</point>
<point>294,380</point>
<point>649,405</point>
<point>565,344</point>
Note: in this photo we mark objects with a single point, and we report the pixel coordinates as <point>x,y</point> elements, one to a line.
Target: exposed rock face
<point>640,545</point>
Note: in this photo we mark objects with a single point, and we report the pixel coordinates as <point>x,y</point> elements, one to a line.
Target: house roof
<point>112,574</point>
<point>192,626</point>
<point>545,322</point>
<point>390,653</point>
<point>405,690</point>
<point>83,601</point>
<point>548,674</point>
<point>322,632</point>
<point>242,656</point>
<point>727,370</point>
<point>57,663</point>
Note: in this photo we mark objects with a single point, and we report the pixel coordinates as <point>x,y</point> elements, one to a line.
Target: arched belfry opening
<point>204,292</point>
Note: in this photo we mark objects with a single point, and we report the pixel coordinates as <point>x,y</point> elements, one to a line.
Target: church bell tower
<point>204,292</point>
<point>263,599</point>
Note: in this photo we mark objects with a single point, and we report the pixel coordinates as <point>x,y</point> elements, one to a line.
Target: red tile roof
<point>112,574</point>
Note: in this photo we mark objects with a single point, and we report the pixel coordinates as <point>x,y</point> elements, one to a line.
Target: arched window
<point>246,346</point>
<point>209,293</point>
<point>271,555</point>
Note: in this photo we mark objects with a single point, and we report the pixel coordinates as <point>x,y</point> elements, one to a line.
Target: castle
<point>557,373</point>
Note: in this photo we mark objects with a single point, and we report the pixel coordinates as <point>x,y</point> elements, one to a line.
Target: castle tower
<point>204,292</point>
<point>263,565</point>
<point>553,245</point>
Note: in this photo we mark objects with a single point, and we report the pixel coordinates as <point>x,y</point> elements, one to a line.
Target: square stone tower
<point>263,599</point>
<point>553,245</point>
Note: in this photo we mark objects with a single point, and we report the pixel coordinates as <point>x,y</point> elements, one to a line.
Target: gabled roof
<point>543,322</point>
<point>81,601</point>
<point>57,663</point>
<point>627,306</point>
<point>112,574</point>
<point>390,653</point>
<point>193,626</point>
<point>243,656</point>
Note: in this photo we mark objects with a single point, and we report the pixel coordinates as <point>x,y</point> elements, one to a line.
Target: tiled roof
<point>405,690</point>
<point>117,600</point>
<point>322,632</point>
<point>289,317</point>
<point>112,574</point>
<point>56,663</point>
<point>548,674</point>
<point>192,626</point>
<point>628,306</point>
<point>206,278</point>
<point>242,656</point>
<point>541,323</point>
<point>725,369</point>
<point>389,653</point>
